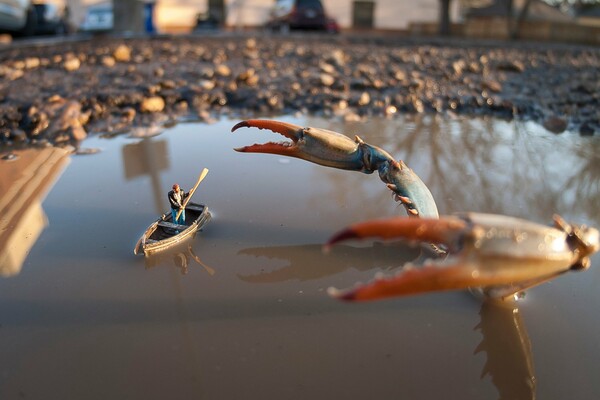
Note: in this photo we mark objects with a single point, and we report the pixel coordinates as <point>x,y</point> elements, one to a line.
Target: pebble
<point>84,151</point>
<point>71,64</point>
<point>223,70</point>
<point>108,61</point>
<point>326,79</point>
<point>152,104</point>
<point>555,124</point>
<point>9,157</point>
<point>122,53</point>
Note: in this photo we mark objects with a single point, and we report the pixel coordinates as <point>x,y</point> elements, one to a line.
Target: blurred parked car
<point>206,22</point>
<point>98,18</point>
<point>17,17</point>
<point>289,15</point>
<point>51,20</point>
<point>332,26</point>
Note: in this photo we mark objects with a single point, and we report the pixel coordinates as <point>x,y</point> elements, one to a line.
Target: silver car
<point>98,18</point>
<point>17,16</point>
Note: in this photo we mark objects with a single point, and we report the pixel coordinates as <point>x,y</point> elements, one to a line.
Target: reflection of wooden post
<point>362,14</point>
<point>147,158</point>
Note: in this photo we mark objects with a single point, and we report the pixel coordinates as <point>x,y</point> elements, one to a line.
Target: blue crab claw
<point>320,146</point>
<point>499,256</point>
<point>332,149</point>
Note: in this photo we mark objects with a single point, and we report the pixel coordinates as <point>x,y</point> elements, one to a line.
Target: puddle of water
<point>241,310</point>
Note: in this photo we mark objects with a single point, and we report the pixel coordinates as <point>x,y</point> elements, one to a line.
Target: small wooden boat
<point>163,233</point>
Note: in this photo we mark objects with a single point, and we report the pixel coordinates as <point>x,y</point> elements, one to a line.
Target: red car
<point>289,15</point>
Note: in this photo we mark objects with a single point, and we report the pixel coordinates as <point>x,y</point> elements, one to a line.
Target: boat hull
<point>162,234</point>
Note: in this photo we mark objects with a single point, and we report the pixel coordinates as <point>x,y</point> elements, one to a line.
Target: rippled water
<point>241,310</point>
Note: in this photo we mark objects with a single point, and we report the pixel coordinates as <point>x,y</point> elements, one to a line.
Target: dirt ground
<point>60,93</point>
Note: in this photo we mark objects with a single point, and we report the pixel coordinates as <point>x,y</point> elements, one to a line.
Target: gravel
<point>58,94</point>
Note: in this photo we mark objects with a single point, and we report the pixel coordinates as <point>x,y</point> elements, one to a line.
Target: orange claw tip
<point>345,295</point>
<point>342,235</point>
<point>283,128</point>
<point>243,124</point>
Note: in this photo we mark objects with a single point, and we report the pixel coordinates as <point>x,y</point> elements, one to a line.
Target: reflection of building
<point>24,183</point>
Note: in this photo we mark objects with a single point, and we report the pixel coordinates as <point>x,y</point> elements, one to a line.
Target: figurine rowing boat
<point>163,233</point>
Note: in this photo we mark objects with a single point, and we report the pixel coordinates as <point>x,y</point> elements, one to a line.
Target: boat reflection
<point>180,258</point>
<point>24,182</point>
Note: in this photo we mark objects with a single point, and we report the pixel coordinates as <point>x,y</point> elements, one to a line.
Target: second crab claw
<point>332,149</point>
<point>498,255</point>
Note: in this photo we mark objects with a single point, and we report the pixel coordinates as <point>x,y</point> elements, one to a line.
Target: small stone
<point>55,98</point>
<point>326,79</point>
<point>390,110</point>
<point>399,75</point>
<point>327,68</point>
<point>459,66</point>
<point>152,104</point>
<point>84,151</point>
<point>223,70</point>
<point>253,80</point>
<point>108,61</point>
<point>555,124</point>
<point>251,44</point>
<point>492,86</point>
<point>122,53</point>
<point>32,62</point>
<point>364,99</point>
<point>206,84</point>
<point>9,157</point>
<point>71,64</point>
<point>246,75</point>
<point>128,114</point>
<point>168,84</point>
<point>10,73</point>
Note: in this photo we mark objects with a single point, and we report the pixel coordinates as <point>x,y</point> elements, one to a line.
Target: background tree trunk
<point>516,26</point>
<point>444,27</point>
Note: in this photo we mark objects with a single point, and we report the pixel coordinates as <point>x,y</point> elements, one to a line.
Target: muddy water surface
<point>242,310</point>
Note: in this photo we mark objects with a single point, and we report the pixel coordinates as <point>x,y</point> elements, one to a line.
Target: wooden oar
<point>187,199</point>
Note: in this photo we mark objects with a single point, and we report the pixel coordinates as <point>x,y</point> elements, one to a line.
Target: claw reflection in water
<point>306,262</point>
<point>506,343</point>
